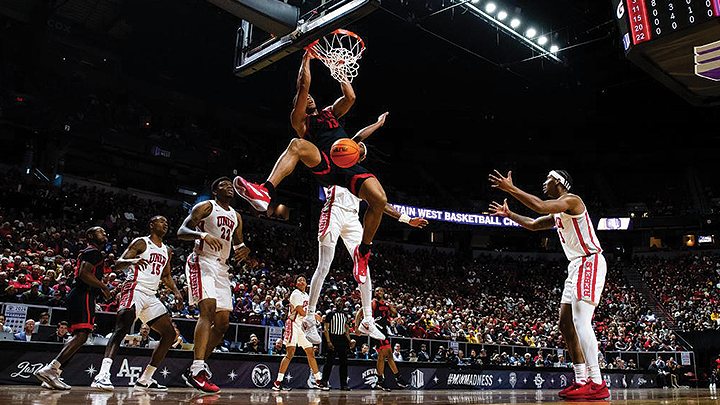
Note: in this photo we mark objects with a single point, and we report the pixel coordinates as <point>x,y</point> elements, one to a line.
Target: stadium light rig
<point>492,13</point>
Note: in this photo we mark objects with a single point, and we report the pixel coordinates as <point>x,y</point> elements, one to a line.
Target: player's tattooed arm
<point>187,229</point>
<point>130,256</point>
<point>416,222</point>
<point>362,134</point>
<point>241,251</point>
<point>342,105</point>
<point>567,202</point>
<point>299,111</point>
<point>166,278</point>
<point>533,224</point>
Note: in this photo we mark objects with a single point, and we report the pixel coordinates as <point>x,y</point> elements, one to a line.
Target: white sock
<point>366,297</point>
<point>56,365</point>
<point>148,373</point>
<point>580,373</point>
<point>594,374</point>
<point>582,319</point>
<point>105,367</point>
<point>280,377</point>
<point>197,366</point>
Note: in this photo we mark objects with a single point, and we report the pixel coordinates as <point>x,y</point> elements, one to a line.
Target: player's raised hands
<point>418,222</point>
<point>497,180</point>
<point>381,118</point>
<point>213,242</point>
<point>498,209</point>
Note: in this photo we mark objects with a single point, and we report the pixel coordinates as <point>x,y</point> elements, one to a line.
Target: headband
<point>559,177</point>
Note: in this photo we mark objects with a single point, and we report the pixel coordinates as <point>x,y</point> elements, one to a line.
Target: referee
<point>337,336</point>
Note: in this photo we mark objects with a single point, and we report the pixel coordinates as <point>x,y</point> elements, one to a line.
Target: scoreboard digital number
<point>646,20</point>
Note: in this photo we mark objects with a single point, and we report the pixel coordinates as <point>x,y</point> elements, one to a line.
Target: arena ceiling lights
<point>496,15</point>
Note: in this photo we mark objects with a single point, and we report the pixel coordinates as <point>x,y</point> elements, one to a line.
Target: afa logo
<point>370,377</point>
<point>261,376</point>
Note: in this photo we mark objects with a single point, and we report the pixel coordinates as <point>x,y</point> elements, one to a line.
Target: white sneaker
<point>311,331</point>
<point>51,377</point>
<point>102,382</point>
<point>152,385</point>
<point>367,327</point>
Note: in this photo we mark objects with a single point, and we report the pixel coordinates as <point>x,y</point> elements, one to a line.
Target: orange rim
<point>310,46</point>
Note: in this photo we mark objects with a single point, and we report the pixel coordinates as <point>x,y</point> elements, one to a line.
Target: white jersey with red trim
<point>577,235</point>
<point>148,279</point>
<point>221,223</point>
<point>297,298</point>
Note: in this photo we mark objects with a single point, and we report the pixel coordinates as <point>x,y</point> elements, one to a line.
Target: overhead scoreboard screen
<point>652,19</point>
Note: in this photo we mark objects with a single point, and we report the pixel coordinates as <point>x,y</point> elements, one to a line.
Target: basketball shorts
<point>208,277</point>
<point>328,174</point>
<point>148,307</point>
<point>585,280</point>
<point>336,222</point>
<point>380,344</point>
<point>294,336</point>
<point>81,307</point>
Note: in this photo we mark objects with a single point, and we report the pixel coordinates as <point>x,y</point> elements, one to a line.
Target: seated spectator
<point>397,355</point>
<point>423,355</point>
<point>364,352</point>
<point>33,296</point>
<point>462,360</point>
<point>440,356</point>
<point>278,348</point>
<point>10,294</point>
<point>61,333</point>
<point>253,346</point>
<point>27,332</point>
<point>43,319</point>
<point>3,327</point>
<point>413,356</point>
<point>56,299</point>
<point>143,339</point>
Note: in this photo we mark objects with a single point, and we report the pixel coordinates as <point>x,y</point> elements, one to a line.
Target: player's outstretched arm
<point>299,111</point>
<point>342,105</point>
<point>187,229</point>
<point>536,224</point>
<point>416,222</point>
<point>130,256</point>
<point>166,278</point>
<point>564,203</point>
<point>368,130</point>
<point>241,251</point>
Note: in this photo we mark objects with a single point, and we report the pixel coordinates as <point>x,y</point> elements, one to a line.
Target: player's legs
<point>217,331</point>
<point>372,191</point>
<point>163,326</point>
<point>567,329</point>
<point>123,323</point>
<point>310,352</point>
<point>285,362</point>
<point>582,319</point>
<point>351,235</point>
<point>201,336</point>
<point>72,346</point>
<point>298,150</point>
<point>326,253</point>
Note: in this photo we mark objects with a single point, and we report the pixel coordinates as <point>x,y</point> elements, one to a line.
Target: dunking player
<point>586,271</point>
<point>81,305</point>
<point>339,218</point>
<point>294,337</point>
<point>216,229</point>
<point>317,131</point>
<point>382,312</point>
<point>149,261</point>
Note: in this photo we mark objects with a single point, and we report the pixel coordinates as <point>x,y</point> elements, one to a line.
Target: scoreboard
<point>646,20</point>
<point>675,41</point>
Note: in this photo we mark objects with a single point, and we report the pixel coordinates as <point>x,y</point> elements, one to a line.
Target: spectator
<point>413,358</point>
<point>44,319</point>
<point>423,355</point>
<point>397,355</point>
<point>253,345</point>
<point>278,348</point>
<point>61,333</point>
<point>440,356</point>
<point>3,327</point>
<point>364,352</point>
<point>143,339</point>
<point>27,332</point>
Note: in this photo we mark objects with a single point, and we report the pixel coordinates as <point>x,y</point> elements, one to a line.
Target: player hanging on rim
<point>216,229</point>
<point>81,306</point>
<point>317,131</point>
<point>339,218</point>
<point>382,312</point>
<point>586,271</point>
<point>294,337</point>
<point>148,259</point>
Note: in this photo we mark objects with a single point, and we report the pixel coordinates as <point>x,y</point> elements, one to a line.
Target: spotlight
<point>502,15</point>
<point>542,40</point>
<point>554,49</point>
<point>530,33</point>
<point>490,7</point>
<point>515,23</point>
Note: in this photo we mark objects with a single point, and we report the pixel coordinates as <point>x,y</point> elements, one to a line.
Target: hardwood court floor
<point>28,395</point>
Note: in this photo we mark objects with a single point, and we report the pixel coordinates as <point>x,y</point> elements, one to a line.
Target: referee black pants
<point>341,345</point>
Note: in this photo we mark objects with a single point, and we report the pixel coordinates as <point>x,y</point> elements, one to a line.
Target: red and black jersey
<point>93,256</point>
<point>323,129</point>
<point>381,312</point>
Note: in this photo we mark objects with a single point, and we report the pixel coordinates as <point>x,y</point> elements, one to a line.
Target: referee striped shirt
<point>337,321</point>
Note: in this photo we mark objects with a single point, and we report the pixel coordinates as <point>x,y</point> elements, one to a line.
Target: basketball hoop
<point>339,51</point>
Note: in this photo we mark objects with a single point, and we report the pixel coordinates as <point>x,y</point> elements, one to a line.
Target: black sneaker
<point>279,386</point>
<point>322,385</point>
<point>400,381</point>
<point>381,385</point>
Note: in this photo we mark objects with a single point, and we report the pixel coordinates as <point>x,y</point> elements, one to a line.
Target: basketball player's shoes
<point>51,376</point>
<point>279,386</point>
<point>368,327</point>
<point>573,387</point>
<point>201,381</point>
<point>102,382</point>
<point>322,385</point>
<point>591,390</point>
<point>256,194</point>
<point>360,265</point>
<point>150,385</point>
<point>309,328</point>
<point>400,381</point>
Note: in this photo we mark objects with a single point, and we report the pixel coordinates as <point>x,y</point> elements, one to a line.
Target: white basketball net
<point>339,51</point>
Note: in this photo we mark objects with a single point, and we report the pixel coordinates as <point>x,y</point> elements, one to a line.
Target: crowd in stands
<point>438,295</point>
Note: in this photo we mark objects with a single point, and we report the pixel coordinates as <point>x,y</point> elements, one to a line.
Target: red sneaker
<point>573,387</point>
<point>257,195</point>
<point>591,390</point>
<point>201,381</point>
<point>360,265</point>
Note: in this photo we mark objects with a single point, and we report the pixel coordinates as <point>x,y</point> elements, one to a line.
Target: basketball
<point>345,152</point>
